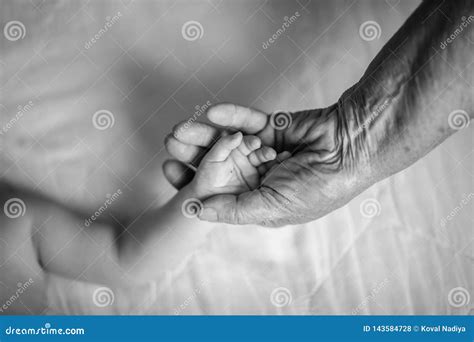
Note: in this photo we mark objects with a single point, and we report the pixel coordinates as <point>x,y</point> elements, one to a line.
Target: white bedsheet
<point>402,261</point>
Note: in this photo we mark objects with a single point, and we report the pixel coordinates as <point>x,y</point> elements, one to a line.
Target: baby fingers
<point>224,147</point>
<point>249,144</point>
<point>262,155</point>
<point>262,169</point>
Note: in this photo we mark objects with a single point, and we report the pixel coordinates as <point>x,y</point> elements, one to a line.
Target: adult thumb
<point>247,208</point>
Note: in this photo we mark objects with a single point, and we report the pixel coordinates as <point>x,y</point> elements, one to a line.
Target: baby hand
<point>232,166</point>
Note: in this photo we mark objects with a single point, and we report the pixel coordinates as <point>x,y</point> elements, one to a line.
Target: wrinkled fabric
<point>404,260</point>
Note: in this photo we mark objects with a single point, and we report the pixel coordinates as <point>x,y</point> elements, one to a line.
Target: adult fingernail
<point>208,214</point>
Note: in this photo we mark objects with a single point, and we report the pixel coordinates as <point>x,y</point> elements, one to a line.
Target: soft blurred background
<point>149,74</point>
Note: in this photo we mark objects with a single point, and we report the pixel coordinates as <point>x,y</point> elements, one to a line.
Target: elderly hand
<point>411,98</point>
<point>315,173</point>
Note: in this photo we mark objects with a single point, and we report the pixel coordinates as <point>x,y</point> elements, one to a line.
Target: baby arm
<point>163,238</point>
<point>157,241</point>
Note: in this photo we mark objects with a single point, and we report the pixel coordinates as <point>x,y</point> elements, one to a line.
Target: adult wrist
<point>353,127</point>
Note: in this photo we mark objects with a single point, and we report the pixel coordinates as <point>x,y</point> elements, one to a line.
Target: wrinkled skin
<point>315,172</point>
<point>401,108</point>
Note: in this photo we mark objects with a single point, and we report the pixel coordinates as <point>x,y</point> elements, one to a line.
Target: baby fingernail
<point>208,214</point>
<point>270,154</point>
<point>256,143</point>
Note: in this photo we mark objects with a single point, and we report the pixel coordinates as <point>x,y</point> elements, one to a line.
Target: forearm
<point>160,239</point>
<point>399,110</point>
